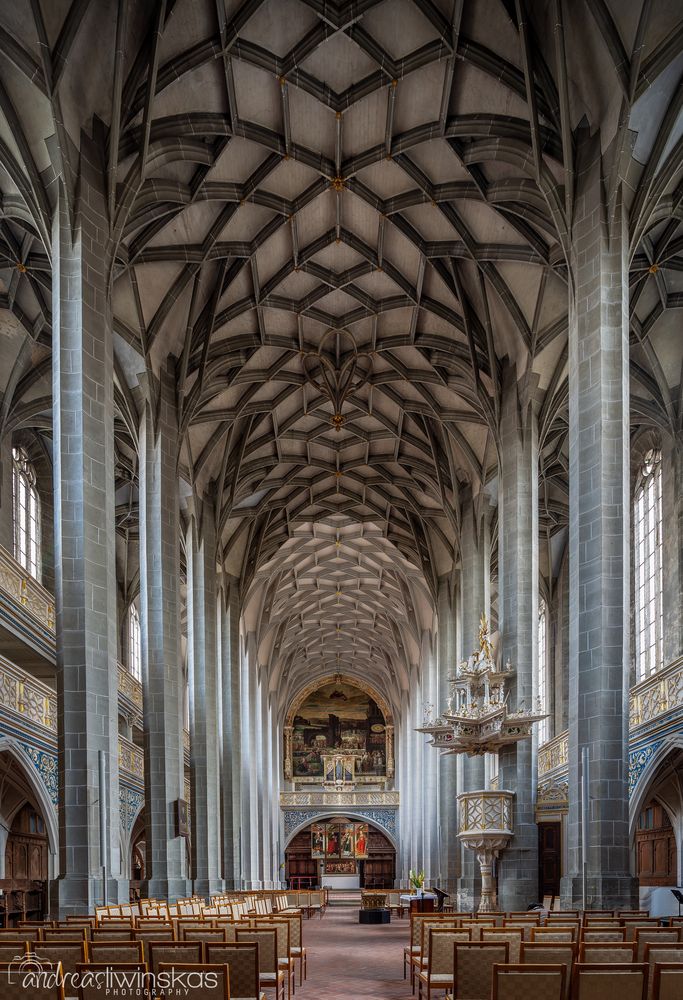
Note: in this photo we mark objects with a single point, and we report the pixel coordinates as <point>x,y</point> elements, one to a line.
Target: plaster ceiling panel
<point>385,178</point>
<point>278,25</point>
<point>394,323</point>
<point>471,82</point>
<point>190,225</point>
<point>313,126</point>
<point>401,252</point>
<point>258,96</point>
<point>297,284</point>
<point>547,360</point>
<point>316,218</point>
<point>338,257</point>
<point>364,123</point>
<point>154,280</point>
<point>482,22</point>
<point>188,24</point>
<point>378,284</point>
<point>357,217</point>
<point>339,63</point>
<point>246,222</point>
<point>182,95</point>
<point>399,27</point>
<point>274,253</point>
<point>239,287</point>
<point>439,162</point>
<point>524,281</point>
<point>241,326</point>
<point>430,223</point>
<point>415,101</point>
<point>239,160</point>
<point>665,338</point>
<point>290,179</point>
<point>336,302</point>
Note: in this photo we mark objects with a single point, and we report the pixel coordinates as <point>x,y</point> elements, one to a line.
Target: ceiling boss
<point>336,370</point>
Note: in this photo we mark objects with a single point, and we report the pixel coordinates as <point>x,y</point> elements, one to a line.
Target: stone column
<point>599,533</point>
<point>160,628</point>
<point>6,494</point>
<point>430,763</point>
<point>448,765</point>
<point>475,575</point>
<point>85,567</point>
<point>201,645</point>
<point>518,575</point>
<point>251,877</point>
<point>230,730</point>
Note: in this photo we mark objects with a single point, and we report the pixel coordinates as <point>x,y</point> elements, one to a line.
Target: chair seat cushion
<point>439,978</point>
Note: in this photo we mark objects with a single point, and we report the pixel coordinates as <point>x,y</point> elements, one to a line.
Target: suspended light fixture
<point>477,718</point>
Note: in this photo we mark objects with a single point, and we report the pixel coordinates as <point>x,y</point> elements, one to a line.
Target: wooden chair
<point>554,934</point>
<point>10,948</point>
<point>592,935</point>
<point>296,947</point>
<point>551,953</point>
<point>516,982</point>
<point>70,953</point>
<point>284,958</point>
<point>526,928</point>
<point>513,936</point>
<point>599,952</point>
<point>204,934</point>
<point>112,934</point>
<point>243,962</point>
<point>115,952</point>
<point>418,960</point>
<point>473,964</point>
<point>657,953</point>
<point>437,969</point>
<point>27,934</point>
<point>668,981</point>
<point>270,975</point>
<point>48,986</point>
<point>655,935</point>
<point>93,977</point>
<point>218,988</point>
<point>71,933</point>
<point>172,953</point>
<point>598,982</point>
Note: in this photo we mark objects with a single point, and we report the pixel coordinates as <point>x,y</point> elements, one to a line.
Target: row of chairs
<point>234,973</point>
<point>470,968</point>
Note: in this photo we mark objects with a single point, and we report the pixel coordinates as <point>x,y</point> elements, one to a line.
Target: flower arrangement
<point>416,879</point>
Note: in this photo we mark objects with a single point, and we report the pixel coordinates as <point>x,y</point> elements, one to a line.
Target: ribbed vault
<point>396,170</point>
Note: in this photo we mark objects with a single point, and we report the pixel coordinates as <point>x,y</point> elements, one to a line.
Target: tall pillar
<point>251,876</point>
<point>85,568</point>
<point>230,730</point>
<point>518,575</point>
<point>448,777</point>
<point>160,627</point>
<point>430,763</point>
<point>599,508</point>
<point>201,644</point>
<point>475,547</point>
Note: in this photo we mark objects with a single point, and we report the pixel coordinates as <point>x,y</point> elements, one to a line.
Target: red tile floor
<point>348,960</point>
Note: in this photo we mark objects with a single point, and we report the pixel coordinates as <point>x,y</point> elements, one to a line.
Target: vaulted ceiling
<point>365,198</point>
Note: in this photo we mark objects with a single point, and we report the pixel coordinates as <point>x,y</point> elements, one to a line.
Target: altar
<point>340,881</point>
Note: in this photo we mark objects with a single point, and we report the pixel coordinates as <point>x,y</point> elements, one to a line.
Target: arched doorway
<point>657,821</point>
<point>340,851</point>
<point>656,855</point>
<point>24,845</point>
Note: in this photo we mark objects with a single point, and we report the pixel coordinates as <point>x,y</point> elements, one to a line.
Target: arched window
<point>26,513</point>
<point>543,728</point>
<point>647,565</point>
<point>134,643</point>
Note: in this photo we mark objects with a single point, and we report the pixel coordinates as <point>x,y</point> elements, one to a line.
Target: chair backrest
<point>594,952</point>
<point>477,926</point>
<point>554,933</point>
<point>655,935</point>
<point>440,949</point>
<point>563,915</point>
<point>69,953</point>
<point>265,938</point>
<point>543,982</point>
<point>551,953</point>
<point>295,929</point>
<point>597,982</point>
<point>94,978</point>
<point>115,951</point>
<point>213,985</point>
<point>112,934</point>
<point>517,915</point>
<point>656,954</point>
<point>668,981</point>
<point>11,948</point>
<point>72,933</point>
<point>592,935</point>
<point>513,936</point>
<point>154,935</point>
<point>632,926</point>
<point>281,928</point>
<point>596,914</point>
<point>243,961</point>
<point>425,927</point>
<point>170,952</point>
<point>489,915</point>
<point>203,934</point>
<point>525,928</point>
<point>473,967</point>
<point>47,986</point>
<point>27,933</point>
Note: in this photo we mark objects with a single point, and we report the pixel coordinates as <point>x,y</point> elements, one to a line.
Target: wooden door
<point>656,847</point>
<point>549,859</point>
